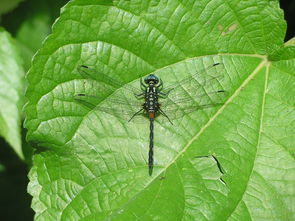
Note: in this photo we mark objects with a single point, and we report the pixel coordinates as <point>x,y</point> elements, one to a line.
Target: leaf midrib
<point>259,135</point>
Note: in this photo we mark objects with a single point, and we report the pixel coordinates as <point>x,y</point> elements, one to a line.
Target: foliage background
<point>30,22</point>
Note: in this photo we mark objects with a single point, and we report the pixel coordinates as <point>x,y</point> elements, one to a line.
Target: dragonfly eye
<point>151,79</point>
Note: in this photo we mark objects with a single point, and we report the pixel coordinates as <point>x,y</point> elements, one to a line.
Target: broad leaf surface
<point>11,91</point>
<point>231,162</point>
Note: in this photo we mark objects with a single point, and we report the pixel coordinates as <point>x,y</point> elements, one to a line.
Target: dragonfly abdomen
<point>151,101</point>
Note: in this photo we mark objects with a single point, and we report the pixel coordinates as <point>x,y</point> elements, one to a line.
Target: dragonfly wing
<point>178,111</point>
<point>201,90</point>
<point>111,95</point>
<point>95,100</point>
<point>117,106</point>
<point>207,78</point>
<point>175,109</point>
<point>88,72</point>
<point>210,97</point>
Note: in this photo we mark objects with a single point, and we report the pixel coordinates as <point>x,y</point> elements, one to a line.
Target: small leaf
<point>31,22</point>
<point>290,42</point>
<point>8,5</point>
<point>93,165</point>
<point>11,92</point>
<point>2,168</point>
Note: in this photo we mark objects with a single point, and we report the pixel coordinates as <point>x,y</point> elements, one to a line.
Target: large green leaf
<point>11,91</point>
<point>92,166</point>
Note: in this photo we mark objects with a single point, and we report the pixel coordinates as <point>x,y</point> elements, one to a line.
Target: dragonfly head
<point>151,79</point>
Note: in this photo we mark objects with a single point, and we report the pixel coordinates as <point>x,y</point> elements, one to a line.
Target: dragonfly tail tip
<point>150,170</point>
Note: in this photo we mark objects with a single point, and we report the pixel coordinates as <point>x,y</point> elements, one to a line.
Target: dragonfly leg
<point>160,86</point>
<point>137,113</point>
<point>162,94</point>
<point>167,93</point>
<point>165,115</point>
<point>138,96</point>
<point>142,85</point>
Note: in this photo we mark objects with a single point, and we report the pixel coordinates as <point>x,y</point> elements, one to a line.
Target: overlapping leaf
<point>7,5</point>
<point>11,91</point>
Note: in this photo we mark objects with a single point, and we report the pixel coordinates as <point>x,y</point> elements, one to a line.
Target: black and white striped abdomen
<point>151,103</point>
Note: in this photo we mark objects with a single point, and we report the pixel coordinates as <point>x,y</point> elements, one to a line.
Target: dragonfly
<point>151,100</point>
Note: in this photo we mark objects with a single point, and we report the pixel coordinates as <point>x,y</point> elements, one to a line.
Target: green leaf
<point>37,26</point>
<point>290,42</point>
<point>231,162</point>
<point>2,168</point>
<point>11,91</point>
<point>30,23</point>
<point>7,5</point>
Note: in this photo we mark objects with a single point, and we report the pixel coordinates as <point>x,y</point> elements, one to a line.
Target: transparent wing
<point>88,72</point>
<point>179,108</point>
<point>119,108</point>
<point>201,90</point>
<point>116,106</point>
<point>207,76</point>
<point>111,96</point>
